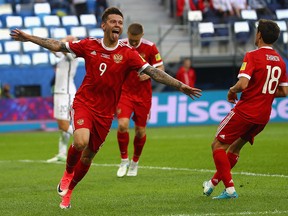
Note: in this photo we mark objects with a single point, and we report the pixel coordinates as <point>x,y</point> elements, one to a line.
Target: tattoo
<point>64,48</point>
<point>179,84</point>
<point>51,44</point>
<point>162,77</point>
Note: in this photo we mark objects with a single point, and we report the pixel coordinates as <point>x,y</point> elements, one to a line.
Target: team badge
<point>158,57</point>
<point>143,55</point>
<point>80,121</point>
<point>117,58</point>
<point>243,66</point>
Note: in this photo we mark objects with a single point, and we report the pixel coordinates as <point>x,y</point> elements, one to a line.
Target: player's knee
<point>140,132</point>
<point>63,125</point>
<point>80,145</point>
<point>122,128</point>
<point>62,128</point>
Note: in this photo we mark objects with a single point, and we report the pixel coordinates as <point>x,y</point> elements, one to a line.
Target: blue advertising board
<point>176,109</point>
<point>168,109</point>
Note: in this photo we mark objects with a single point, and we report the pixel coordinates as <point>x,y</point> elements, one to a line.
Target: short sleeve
<point>136,62</point>
<point>247,67</point>
<point>77,48</point>
<point>156,59</point>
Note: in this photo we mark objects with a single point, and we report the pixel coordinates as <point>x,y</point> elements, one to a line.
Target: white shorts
<point>62,104</point>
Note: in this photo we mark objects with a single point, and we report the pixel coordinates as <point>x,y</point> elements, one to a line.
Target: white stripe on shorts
<point>224,122</point>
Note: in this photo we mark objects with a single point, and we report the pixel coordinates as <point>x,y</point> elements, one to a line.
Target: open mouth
<point>115,31</point>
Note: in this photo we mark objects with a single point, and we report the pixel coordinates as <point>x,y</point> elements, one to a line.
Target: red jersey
<point>266,70</point>
<point>187,77</point>
<point>133,88</point>
<point>106,70</point>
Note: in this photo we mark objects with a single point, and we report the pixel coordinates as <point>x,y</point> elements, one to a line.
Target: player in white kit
<point>64,92</point>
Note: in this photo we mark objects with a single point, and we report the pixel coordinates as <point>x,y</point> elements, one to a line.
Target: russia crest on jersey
<point>117,58</point>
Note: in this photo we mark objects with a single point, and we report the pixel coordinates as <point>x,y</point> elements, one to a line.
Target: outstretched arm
<point>164,78</point>
<point>144,77</point>
<point>51,44</point>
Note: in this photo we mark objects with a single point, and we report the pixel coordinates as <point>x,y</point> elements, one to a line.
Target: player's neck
<point>109,43</point>
<point>262,44</point>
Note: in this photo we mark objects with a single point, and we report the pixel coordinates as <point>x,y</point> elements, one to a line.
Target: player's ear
<point>103,25</point>
<point>260,35</point>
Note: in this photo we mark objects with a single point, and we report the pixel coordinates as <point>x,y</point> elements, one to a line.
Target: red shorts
<point>233,127</point>
<point>141,111</point>
<point>99,127</point>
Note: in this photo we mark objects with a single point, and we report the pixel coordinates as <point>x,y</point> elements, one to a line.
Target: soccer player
<point>262,77</point>
<point>108,62</point>
<point>64,93</point>
<point>136,99</point>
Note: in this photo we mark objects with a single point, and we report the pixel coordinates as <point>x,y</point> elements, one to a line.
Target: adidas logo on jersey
<point>222,136</point>
<point>94,52</point>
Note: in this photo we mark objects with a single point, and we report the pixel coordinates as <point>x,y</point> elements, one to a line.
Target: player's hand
<point>143,77</point>
<point>19,35</point>
<point>191,92</point>
<point>232,97</point>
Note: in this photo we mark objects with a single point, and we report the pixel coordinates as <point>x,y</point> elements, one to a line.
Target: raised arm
<point>164,78</point>
<point>51,44</point>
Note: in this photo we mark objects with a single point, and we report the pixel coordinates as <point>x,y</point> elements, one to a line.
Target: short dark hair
<point>109,11</point>
<point>135,29</point>
<point>269,30</point>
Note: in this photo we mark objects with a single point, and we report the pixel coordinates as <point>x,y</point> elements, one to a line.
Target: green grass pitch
<point>173,166</point>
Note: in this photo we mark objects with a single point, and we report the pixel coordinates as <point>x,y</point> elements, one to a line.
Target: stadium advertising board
<point>168,109</point>
<point>173,109</point>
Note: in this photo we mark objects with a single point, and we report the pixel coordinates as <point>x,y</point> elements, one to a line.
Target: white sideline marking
<point>158,168</point>
<point>236,213</point>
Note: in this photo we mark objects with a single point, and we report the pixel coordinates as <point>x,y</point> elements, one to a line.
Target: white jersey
<point>65,73</point>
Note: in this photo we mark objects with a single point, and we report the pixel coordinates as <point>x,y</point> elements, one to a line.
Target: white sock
<point>63,143</point>
<point>70,130</point>
<point>230,190</point>
<point>211,184</point>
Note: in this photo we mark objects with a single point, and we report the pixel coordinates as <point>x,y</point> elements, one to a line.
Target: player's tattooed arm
<point>48,43</point>
<point>51,44</point>
<point>162,77</point>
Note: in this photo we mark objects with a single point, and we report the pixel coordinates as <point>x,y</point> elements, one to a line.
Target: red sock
<point>72,158</point>
<point>123,141</point>
<point>233,159</point>
<point>138,147</point>
<point>80,171</point>
<point>223,167</point>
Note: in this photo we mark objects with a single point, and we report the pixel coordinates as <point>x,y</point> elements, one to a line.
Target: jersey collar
<point>265,47</point>
<point>133,46</point>
<point>109,48</point>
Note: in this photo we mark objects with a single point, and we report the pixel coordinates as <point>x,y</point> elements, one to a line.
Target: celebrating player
<point>108,63</point>
<point>136,99</point>
<point>262,77</point>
